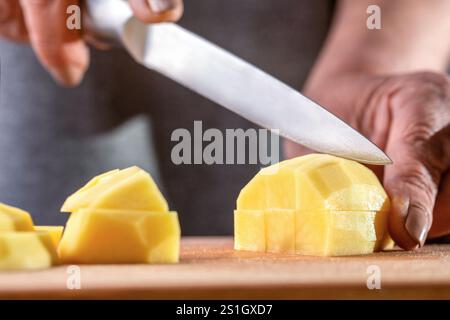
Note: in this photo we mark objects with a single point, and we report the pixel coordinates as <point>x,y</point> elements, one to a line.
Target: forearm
<point>414,37</point>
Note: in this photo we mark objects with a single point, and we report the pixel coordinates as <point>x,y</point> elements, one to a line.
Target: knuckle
<point>439,79</point>
<point>430,153</point>
<point>417,179</point>
<point>422,108</point>
<point>416,134</point>
<point>435,77</point>
<point>430,81</point>
<point>425,88</point>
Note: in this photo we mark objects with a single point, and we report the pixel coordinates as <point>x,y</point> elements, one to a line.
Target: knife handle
<point>103,20</point>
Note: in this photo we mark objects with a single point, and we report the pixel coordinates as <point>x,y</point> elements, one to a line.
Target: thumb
<point>154,11</point>
<point>418,145</point>
<point>412,191</point>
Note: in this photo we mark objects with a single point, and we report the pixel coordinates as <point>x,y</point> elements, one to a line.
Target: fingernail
<point>159,6</point>
<point>417,224</point>
<point>71,75</point>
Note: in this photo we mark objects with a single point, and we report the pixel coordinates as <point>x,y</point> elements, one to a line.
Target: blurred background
<point>53,139</point>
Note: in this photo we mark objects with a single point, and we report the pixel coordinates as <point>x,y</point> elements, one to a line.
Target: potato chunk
<point>120,236</point>
<point>314,205</point>
<point>130,188</point>
<point>14,219</point>
<point>54,231</point>
<point>26,250</point>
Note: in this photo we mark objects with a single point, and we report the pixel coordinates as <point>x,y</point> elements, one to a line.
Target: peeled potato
<point>315,205</point>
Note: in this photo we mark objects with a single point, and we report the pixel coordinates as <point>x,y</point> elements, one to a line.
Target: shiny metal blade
<point>242,88</point>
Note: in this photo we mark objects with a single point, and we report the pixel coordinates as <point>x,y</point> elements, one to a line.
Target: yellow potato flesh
<point>54,231</point>
<point>335,233</point>
<point>328,205</point>
<point>249,230</point>
<point>130,188</point>
<point>21,247</point>
<point>14,219</point>
<point>120,217</point>
<point>280,230</point>
<point>26,250</point>
<point>120,236</point>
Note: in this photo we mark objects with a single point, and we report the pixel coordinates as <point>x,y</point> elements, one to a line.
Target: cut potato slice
<point>249,230</point>
<point>26,250</point>
<point>280,230</point>
<point>120,236</point>
<point>14,219</point>
<point>54,231</point>
<point>131,189</point>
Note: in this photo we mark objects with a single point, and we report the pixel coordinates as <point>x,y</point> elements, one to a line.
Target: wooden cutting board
<point>210,268</point>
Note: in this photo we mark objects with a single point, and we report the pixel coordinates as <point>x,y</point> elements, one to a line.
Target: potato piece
<point>54,231</point>
<point>335,233</point>
<point>339,207</point>
<point>26,250</point>
<point>131,189</point>
<point>318,182</point>
<point>280,230</point>
<point>14,219</point>
<point>249,230</point>
<point>120,236</point>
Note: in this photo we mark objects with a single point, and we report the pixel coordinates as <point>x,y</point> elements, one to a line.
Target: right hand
<point>408,115</point>
<point>61,51</point>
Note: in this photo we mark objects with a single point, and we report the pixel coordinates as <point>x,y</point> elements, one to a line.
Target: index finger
<point>60,50</point>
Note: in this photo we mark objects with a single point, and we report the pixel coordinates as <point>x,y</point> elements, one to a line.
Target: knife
<point>229,81</point>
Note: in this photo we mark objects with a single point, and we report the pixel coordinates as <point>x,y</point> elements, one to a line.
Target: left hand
<point>63,52</point>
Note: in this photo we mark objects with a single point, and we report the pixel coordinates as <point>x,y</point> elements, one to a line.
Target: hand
<point>409,117</point>
<point>61,51</point>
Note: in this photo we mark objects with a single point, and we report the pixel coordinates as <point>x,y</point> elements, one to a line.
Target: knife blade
<point>230,82</point>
